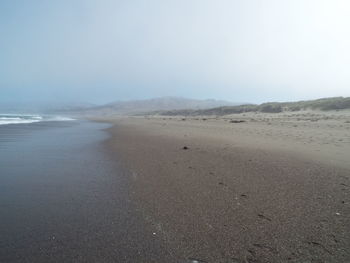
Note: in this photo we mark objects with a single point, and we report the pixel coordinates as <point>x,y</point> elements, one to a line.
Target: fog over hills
<point>186,106</point>
<point>154,104</point>
<point>44,107</point>
<point>324,104</point>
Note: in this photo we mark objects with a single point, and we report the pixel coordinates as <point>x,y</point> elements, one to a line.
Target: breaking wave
<point>6,119</point>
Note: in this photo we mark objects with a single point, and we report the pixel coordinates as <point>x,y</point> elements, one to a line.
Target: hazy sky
<point>105,50</point>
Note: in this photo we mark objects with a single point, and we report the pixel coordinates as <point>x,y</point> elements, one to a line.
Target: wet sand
<point>62,199</point>
<point>263,190</point>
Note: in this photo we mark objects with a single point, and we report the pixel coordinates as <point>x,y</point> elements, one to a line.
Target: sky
<point>106,50</point>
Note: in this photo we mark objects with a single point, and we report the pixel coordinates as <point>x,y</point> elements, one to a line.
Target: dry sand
<point>274,188</point>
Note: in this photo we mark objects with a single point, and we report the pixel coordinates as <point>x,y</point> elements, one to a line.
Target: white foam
<point>4,122</point>
<point>10,118</point>
<point>6,119</point>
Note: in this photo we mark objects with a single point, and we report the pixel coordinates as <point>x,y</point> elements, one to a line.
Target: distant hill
<point>155,104</point>
<point>325,104</point>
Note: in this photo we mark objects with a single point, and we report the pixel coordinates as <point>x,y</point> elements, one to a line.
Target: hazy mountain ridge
<point>155,104</point>
<point>324,104</point>
<point>173,106</point>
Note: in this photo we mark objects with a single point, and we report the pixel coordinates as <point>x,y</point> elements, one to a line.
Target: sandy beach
<point>241,188</point>
<point>175,131</point>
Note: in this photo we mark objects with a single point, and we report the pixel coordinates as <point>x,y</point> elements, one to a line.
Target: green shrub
<point>271,108</point>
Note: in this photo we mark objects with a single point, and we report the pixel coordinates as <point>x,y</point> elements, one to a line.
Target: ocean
<point>6,119</point>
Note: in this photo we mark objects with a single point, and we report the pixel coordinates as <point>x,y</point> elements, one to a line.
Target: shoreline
<point>63,199</point>
<point>231,198</point>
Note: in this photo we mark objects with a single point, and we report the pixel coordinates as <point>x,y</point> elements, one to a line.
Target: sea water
<point>6,119</point>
